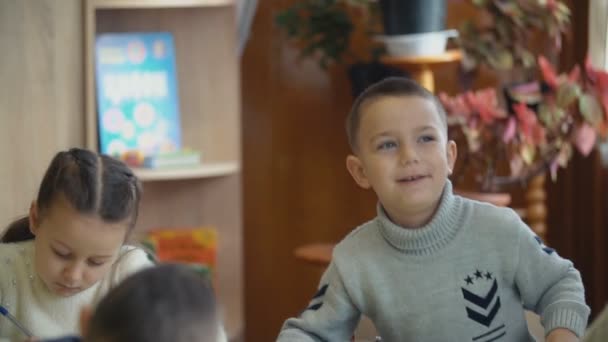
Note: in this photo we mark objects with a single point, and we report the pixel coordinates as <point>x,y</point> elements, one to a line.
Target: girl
<point>70,250</point>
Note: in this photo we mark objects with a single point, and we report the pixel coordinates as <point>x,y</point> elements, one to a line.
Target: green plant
<point>506,33</point>
<point>323,28</point>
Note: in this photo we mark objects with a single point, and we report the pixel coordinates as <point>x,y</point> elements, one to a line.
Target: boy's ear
<point>34,218</point>
<point>85,317</point>
<point>452,154</point>
<point>355,168</point>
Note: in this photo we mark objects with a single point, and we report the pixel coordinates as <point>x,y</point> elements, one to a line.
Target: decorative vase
<point>413,16</point>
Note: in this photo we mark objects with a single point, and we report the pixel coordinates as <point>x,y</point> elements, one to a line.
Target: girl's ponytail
<point>18,231</point>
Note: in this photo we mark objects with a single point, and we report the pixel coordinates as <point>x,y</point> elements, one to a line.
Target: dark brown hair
<point>93,184</point>
<point>391,86</point>
<point>166,303</point>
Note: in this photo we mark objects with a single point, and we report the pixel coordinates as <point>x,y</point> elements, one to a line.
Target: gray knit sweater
<point>465,276</point>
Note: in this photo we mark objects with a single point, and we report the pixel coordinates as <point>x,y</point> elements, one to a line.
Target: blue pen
<point>12,318</point>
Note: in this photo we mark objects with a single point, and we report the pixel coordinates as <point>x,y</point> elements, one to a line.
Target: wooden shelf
<point>202,171</point>
<point>205,41</point>
<point>133,4</point>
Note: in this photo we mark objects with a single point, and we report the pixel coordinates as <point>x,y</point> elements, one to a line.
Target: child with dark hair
<point>432,266</point>
<point>70,250</point>
<point>166,303</point>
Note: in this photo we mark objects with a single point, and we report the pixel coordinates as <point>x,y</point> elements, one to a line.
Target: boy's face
<point>403,155</point>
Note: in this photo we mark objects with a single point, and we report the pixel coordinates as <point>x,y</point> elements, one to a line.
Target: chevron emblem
<point>484,319</point>
<point>318,299</point>
<point>481,301</point>
<point>482,310</point>
<point>547,250</point>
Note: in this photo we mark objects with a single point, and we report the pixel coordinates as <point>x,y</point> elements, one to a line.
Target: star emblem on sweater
<point>481,296</point>
<point>478,275</point>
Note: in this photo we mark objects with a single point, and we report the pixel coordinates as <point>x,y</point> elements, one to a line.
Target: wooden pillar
<point>536,206</point>
<point>420,68</point>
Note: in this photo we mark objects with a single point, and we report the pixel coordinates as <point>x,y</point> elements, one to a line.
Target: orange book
<point>187,245</point>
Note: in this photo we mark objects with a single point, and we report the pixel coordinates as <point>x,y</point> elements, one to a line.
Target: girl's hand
<point>562,335</point>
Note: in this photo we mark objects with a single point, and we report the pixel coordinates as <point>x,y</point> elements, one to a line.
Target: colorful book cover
<point>196,246</point>
<point>137,95</point>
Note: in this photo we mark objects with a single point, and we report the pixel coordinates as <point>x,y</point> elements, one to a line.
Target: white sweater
<point>45,314</point>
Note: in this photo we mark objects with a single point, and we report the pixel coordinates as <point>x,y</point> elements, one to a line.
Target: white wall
<point>598,33</point>
<point>41,95</point>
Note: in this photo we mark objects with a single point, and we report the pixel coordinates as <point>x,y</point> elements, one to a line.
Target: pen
<point>4,312</point>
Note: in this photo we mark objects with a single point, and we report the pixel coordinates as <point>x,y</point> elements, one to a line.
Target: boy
<point>166,303</point>
<point>432,266</point>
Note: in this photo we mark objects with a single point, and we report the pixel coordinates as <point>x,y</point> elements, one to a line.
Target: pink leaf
<point>584,139</point>
<point>517,165</point>
<point>553,168</point>
<point>510,131</point>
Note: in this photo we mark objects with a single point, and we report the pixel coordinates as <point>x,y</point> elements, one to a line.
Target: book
<point>137,93</point>
<point>195,246</point>
<point>179,159</point>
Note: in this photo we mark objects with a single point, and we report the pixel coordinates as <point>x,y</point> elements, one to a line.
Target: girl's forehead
<point>66,224</point>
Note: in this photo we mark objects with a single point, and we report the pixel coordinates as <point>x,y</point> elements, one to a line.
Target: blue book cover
<point>137,102</point>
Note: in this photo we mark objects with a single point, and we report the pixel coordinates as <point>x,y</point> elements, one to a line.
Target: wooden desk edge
<point>315,253</point>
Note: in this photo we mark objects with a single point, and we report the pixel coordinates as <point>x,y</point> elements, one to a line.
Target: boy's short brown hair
<point>391,86</point>
<point>165,303</point>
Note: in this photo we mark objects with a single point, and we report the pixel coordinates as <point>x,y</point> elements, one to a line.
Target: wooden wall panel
<point>41,97</point>
<point>296,188</point>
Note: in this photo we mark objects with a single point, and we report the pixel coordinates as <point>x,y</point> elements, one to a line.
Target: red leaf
<point>547,71</point>
<point>526,117</point>
<point>485,103</point>
<point>603,129</point>
<point>589,70</point>
<point>575,74</point>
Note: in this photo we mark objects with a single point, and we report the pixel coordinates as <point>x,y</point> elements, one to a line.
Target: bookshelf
<point>204,33</point>
<point>202,171</point>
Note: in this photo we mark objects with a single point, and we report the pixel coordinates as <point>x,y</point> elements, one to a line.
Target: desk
<point>316,253</point>
<point>421,67</point>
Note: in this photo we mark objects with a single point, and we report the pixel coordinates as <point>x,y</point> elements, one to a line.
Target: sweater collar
<point>428,239</point>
